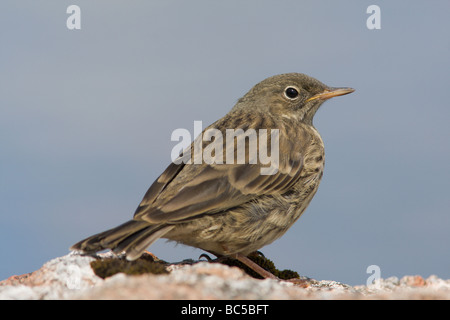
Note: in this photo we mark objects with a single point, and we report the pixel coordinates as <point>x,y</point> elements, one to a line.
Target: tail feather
<point>133,237</point>
<point>135,249</point>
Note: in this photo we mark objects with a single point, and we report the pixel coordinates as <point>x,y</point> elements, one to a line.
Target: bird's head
<point>291,95</point>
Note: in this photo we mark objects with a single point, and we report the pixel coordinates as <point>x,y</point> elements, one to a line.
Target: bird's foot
<point>303,283</point>
<point>254,266</point>
<point>148,253</point>
<point>265,274</point>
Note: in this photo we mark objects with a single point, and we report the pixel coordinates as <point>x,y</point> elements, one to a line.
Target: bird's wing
<point>184,191</point>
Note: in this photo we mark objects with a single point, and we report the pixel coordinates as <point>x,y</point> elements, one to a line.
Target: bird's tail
<point>133,237</point>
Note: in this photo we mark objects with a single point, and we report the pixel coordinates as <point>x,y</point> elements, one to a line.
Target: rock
<point>57,279</point>
<point>71,277</point>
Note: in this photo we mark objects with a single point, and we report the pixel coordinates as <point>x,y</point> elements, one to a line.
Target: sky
<point>86,117</point>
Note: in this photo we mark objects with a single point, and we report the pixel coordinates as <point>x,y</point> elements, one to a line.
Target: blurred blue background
<point>86,118</point>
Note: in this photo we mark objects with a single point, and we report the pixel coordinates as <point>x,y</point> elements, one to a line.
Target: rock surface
<point>71,277</point>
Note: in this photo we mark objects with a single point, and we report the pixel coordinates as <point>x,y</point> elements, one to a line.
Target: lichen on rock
<point>108,267</point>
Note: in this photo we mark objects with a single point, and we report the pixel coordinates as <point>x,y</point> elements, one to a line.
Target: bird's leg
<point>255,267</point>
<point>252,265</point>
<point>260,270</point>
<point>304,283</point>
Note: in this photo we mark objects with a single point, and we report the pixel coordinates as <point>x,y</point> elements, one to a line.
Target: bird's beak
<point>330,93</point>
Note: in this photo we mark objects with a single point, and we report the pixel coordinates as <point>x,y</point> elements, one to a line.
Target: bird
<point>233,208</point>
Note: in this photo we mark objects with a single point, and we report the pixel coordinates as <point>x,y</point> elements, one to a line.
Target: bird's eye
<point>291,93</point>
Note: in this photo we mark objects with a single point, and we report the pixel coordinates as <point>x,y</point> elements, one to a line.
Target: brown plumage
<point>233,209</point>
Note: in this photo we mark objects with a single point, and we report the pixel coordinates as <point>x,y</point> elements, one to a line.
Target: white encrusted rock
<point>71,277</point>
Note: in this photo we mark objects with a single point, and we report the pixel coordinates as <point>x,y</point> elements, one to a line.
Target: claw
<point>258,253</point>
<point>155,258</point>
<point>204,255</point>
<point>302,283</point>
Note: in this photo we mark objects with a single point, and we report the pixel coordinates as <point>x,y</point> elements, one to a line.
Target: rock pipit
<point>231,208</point>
